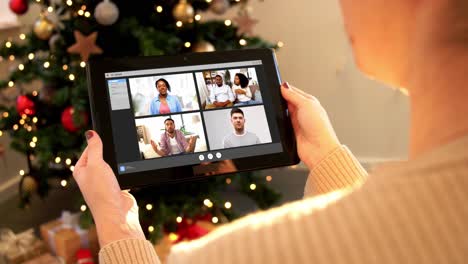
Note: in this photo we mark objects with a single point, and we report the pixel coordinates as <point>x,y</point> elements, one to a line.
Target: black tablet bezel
<point>100,110</point>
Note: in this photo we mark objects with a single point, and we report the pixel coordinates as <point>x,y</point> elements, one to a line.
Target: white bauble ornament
<point>106,13</point>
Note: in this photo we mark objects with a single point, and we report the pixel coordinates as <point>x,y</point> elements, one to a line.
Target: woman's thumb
<point>94,146</point>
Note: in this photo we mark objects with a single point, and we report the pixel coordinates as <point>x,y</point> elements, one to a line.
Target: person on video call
<point>242,90</point>
<point>410,211</point>
<point>239,137</point>
<point>173,141</point>
<point>164,103</point>
<point>220,94</point>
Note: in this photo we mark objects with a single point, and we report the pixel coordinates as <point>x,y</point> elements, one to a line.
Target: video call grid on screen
<point>199,122</point>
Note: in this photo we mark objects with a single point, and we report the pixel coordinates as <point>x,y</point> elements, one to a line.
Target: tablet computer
<point>176,118</point>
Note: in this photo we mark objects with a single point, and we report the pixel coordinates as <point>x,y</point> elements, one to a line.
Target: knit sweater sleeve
<point>339,170</point>
<point>128,251</point>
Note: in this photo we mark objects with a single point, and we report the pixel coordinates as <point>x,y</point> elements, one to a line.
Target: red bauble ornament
<point>83,256</point>
<point>24,105</point>
<point>19,7</point>
<point>69,124</point>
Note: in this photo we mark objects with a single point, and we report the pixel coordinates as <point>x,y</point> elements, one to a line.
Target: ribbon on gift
<point>68,221</point>
<point>15,245</point>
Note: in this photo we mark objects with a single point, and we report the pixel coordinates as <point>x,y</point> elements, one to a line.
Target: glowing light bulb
<point>151,229</point>
<point>253,186</point>
<point>63,183</point>
<point>69,2</point>
<point>21,172</point>
<point>1,133</point>
<point>46,64</point>
<point>34,139</point>
<point>50,9</point>
<point>227,205</point>
<point>80,12</point>
<point>187,44</point>
<point>173,237</point>
<point>65,67</point>
<point>8,44</point>
<point>243,42</point>
<point>87,14</point>
<point>269,178</point>
<point>68,162</point>
<point>31,56</point>
<point>11,84</point>
<point>82,64</point>
<point>214,220</point>
<point>208,203</point>
<point>71,77</point>
<point>57,160</point>
<point>280,44</point>
<point>22,36</point>
<point>21,67</point>
<point>228,180</point>
<point>11,57</point>
<point>228,22</point>
<point>159,9</point>
<point>179,23</point>
<point>72,168</point>
<point>15,127</point>
<point>209,1</point>
<point>34,118</point>
<point>83,208</point>
<point>197,17</point>
<point>32,144</point>
<point>149,207</point>
<point>6,114</point>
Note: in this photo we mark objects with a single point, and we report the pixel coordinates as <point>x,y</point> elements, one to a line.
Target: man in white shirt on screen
<point>220,94</point>
<point>240,137</point>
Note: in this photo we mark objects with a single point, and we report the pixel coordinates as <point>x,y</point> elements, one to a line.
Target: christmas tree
<point>47,122</point>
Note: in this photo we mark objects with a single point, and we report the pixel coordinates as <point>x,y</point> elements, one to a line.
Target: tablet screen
<point>170,117</point>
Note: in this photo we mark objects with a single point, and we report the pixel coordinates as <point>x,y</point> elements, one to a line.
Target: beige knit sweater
<point>408,212</point>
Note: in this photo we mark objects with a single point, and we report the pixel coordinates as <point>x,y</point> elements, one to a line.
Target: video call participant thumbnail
<point>164,103</point>
<point>241,90</point>
<point>239,137</point>
<point>220,94</point>
<point>173,141</point>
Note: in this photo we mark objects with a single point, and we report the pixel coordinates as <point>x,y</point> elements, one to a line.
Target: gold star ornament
<point>85,45</point>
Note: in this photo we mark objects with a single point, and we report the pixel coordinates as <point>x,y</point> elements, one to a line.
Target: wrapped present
<point>19,248</point>
<point>65,237</point>
<point>43,259</point>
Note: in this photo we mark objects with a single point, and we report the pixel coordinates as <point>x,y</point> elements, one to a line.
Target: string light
<point>50,9</point>
<point>22,36</point>
<point>65,67</point>
<point>269,178</point>
<point>228,180</point>
<point>253,186</point>
<point>179,219</point>
<point>83,208</point>
<point>173,237</point>
<point>68,162</point>
<point>38,1</point>
<point>197,17</point>
<point>151,229</point>
<point>87,14</point>
<point>21,67</point>
<point>46,64</point>
<point>31,56</point>
<point>149,207</point>
<point>228,22</point>
<point>34,118</point>
<point>29,128</point>
<point>11,84</point>
<point>209,1</point>
<point>15,127</point>
<point>187,44</point>
<point>71,77</point>
<point>63,183</point>
<point>72,168</point>
<point>21,172</point>
<point>214,219</point>
<point>11,57</point>
<point>21,122</point>
<point>227,205</point>
<point>8,44</point>
<point>280,44</point>
<point>80,12</point>
<point>179,24</point>
<point>57,160</point>
<point>34,93</point>
<point>159,9</point>
<point>69,2</point>
<point>82,64</point>
<point>34,139</point>
<point>208,203</point>
<point>83,7</point>
<point>1,133</point>
<point>6,114</point>
<point>243,42</point>
<point>32,144</point>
